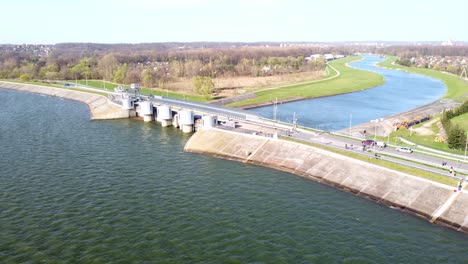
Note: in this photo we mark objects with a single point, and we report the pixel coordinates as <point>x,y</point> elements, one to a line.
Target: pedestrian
<point>346,146</point>
<point>459,185</point>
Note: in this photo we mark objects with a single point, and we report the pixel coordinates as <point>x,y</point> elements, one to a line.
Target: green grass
<point>58,86</point>
<point>110,86</point>
<point>97,84</point>
<point>461,120</point>
<point>350,80</point>
<point>191,97</point>
<point>416,172</point>
<point>456,88</point>
<point>422,140</point>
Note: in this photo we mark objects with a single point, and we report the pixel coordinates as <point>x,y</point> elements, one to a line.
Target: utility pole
<point>466,144</point>
<point>294,121</point>
<point>463,73</point>
<point>275,108</point>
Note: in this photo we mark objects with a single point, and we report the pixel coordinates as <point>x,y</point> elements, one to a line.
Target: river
<point>402,91</point>
<point>81,191</point>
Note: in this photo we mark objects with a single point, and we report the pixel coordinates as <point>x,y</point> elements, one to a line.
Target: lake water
<point>79,191</point>
<point>401,92</point>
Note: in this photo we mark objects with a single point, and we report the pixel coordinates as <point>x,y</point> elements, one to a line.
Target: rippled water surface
<point>401,92</point>
<point>79,191</point>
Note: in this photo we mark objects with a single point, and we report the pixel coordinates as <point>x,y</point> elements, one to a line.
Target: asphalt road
<point>416,159</point>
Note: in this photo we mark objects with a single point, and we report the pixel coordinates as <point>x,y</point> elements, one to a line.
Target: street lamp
<point>376,121</point>
<point>466,143</point>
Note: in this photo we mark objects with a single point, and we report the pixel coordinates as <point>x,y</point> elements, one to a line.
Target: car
<point>404,149</point>
<point>381,144</point>
<point>368,142</point>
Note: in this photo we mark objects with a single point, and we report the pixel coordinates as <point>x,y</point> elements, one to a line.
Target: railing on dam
<point>203,107</point>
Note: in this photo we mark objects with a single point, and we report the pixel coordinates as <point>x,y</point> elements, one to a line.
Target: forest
<point>160,64</point>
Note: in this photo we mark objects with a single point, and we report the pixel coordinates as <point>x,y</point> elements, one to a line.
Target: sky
<point>143,21</point>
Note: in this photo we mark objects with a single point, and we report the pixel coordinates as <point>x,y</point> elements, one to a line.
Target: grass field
<point>456,87</point>
<point>461,120</point>
<point>350,80</point>
<point>58,86</point>
<point>110,86</point>
<point>97,84</point>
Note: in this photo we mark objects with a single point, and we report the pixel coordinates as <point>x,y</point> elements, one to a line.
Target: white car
<point>404,149</point>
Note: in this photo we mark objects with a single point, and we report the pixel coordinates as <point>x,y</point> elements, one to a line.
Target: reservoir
<point>81,191</point>
<point>401,92</point>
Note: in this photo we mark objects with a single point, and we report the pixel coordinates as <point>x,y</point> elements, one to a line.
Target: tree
<point>147,77</point>
<point>82,69</point>
<point>26,77</point>
<point>133,75</point>
<point>107,65</point>
<point>50,72</point>
<point>203,85</point>
<point>456,138</point>
<point>120,73</point>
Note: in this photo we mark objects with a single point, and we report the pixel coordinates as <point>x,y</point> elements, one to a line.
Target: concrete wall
<point>406,192</point>
<point>99,106</point>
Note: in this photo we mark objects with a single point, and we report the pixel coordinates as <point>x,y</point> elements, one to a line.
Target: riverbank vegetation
<point>452,137</point>
<point>233,67</point>
<point>457,88</point>
<point>346,80</point>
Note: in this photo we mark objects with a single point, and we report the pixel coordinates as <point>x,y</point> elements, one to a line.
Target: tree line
<point>153,67</point>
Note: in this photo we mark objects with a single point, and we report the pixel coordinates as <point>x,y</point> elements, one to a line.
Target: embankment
<point>99,106</point>
<point>427,199</point>
<point>385,127</point>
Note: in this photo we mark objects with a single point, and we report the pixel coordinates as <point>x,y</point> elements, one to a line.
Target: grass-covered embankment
<point>110,86</point>
<point>457,90</point>
<point>456,87</point>
<point>349,80</point>
<point>461,120</point>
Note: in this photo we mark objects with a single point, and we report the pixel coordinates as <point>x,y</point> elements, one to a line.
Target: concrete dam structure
<point>430,200</point>
<point>121,106</point>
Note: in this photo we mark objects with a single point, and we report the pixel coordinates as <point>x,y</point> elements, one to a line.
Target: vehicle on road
<point>381,144</point>
<point>368,142</point>
<point>404,149</point>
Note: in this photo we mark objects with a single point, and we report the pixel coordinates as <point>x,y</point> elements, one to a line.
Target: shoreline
<point>99,106</point>
<point>343,73</point>
<point>433,201</point>
<point>379,184</point>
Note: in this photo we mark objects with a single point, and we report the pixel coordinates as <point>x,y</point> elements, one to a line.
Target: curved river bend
<point>79,191</point>
<point>401,92</point>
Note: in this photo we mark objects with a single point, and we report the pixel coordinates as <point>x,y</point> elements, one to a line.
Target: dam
<point>247,138</point>
<point>124,191</point>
